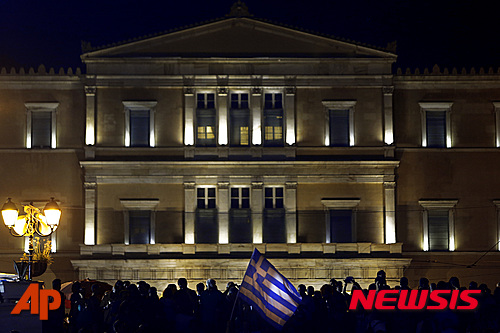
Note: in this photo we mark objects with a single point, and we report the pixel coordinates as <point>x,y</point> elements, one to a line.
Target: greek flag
<point>269,292</point>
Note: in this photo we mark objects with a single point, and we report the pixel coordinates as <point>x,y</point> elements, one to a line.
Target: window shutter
<point>274,227</point>
<point>438,230</point>
<point>41,129</point>
<point>436,129</point>
<point>341,226</point>
<point>339,128</point>
<point>139,226</point>
<point>139,128</point>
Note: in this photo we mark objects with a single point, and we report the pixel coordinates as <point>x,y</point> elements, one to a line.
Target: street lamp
<point>34,222</point>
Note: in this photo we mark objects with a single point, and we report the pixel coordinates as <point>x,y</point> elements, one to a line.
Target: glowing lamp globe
<point>9,213</point>
<point>52,213</point>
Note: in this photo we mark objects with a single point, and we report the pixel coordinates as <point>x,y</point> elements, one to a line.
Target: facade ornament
<point>222,91</point>
<point>90,90</point>
<point>256,91</point>
<point>388,90</point>
<point>291,185</point>
<point>189,185</point>
<point>90,185</point>
<point>239,9</point>
<point>223,185</point>
<point>257,185</point>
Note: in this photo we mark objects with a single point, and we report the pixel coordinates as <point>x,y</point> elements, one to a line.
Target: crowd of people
<point>136,308</point>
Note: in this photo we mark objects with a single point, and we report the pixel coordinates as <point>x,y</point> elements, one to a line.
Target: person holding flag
<point>268,291</point>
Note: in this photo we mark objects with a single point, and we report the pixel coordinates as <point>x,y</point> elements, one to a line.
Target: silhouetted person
<point>185,302</point>
<point>55,323</point>
<point>403,283</point>
<point>77,307</point>
<point>211,307</point>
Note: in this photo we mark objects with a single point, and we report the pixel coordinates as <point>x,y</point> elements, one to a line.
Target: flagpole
<point>236,300</point>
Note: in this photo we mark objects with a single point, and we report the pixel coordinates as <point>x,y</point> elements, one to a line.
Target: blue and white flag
<point>269,292</point>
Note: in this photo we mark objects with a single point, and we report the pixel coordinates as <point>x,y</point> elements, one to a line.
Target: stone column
<point>290,115</point>
<point>256,206</point>
<point>390,212</point>
<point>223,208</point>
<point>222,116</point>
<point>189,212</point>
<point>90,92</point>
<point>388,122</point>
<point>189,106</point>
<point>291,211</point>
<point>256,119</point>
<point>90,186</point>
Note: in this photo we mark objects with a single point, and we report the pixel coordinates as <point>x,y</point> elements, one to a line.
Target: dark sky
<point>448,33</point>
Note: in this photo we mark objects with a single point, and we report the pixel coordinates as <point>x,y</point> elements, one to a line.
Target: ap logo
<point>38,301</point>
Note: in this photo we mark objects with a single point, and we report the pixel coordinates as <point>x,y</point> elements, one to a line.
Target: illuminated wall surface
<point>309,148</point>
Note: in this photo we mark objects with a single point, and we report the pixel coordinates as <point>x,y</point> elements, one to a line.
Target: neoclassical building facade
<point>176,155</point>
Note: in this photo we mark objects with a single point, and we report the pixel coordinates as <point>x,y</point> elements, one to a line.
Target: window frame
<point>348,105</point>
<point>433,107</point>
<point>32,107</point>
<point>139,204</point>
<point>340,204</point>
<point>206,197</point>
<point>140,106</point>
<point>239,109</point>
<point>197,111</point>
<point>429,205</point>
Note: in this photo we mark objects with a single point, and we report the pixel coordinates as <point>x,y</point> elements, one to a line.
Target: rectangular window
<point>439,234</point>
<point>41,125</point>
<point>240,124</point>
<point>273,127</point>
<point>139,123</point>
<point>435,122</point>
<point>139,226</point>
<point>239,101</point>
<point>41,129</point>
<point>206,125</point>
<point>273,101</point>
<point>274,226</point>
<point>240,197</point>
<point>240,222</point>
<point>341,226</point>
<point>139,128</point>
<point>206,226</point>
<point>438,225</point>
<point>206,121</point>
<point>339,128</point>
<point>436,126</point>
<point>205,101</point>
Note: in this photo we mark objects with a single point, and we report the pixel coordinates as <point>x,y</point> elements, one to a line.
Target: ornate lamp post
<point>34,222</point>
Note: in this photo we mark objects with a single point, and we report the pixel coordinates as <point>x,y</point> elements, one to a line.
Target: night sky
<point>448,33</point>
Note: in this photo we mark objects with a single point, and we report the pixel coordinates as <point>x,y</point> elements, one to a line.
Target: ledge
<point>190,249</point>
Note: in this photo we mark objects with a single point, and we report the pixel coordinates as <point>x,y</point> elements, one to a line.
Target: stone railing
<point>290,248</point>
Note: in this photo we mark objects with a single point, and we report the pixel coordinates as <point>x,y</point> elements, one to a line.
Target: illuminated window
<point>206,121</point>
<point>438,225</point>
<point>274,225</point>
<point>273,127</point>
<point>206,132</point>
<point>139,123</point>
<point>206,225</point>
<point>436,127</point>
<point>240,222</point>
<point>339,129</point>
<point>239,120</point>
<point>41,125</point>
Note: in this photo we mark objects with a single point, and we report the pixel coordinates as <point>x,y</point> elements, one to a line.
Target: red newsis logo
<point>414,299</point>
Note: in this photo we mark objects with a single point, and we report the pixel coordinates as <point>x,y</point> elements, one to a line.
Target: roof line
<point>87,48</point>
